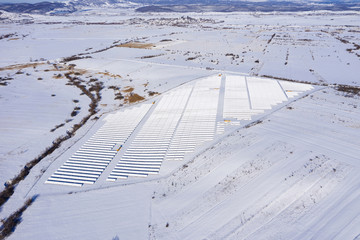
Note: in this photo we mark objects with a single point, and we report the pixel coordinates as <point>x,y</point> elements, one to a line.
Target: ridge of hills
<point>67,7</point>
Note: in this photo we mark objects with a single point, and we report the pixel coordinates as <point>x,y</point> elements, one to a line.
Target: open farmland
<point>164,126</point>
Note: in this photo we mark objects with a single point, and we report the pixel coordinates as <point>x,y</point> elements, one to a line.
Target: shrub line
<point>9,224</point>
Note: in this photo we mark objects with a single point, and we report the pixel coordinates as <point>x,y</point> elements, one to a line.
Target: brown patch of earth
<point>128,89</point>
<point>137,45</point>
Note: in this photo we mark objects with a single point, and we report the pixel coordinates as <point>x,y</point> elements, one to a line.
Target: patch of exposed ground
<point>152,56</point>
<point>117,92</point>
<point>349,91</point>
<point>109,74</point>
<point>128,89</point>
<point>21,66</point>
<point>4,81</point>
<point>137,45</point>
<point>292,80</point>
<point>73,58</point>
<point>9,35</point>
<point>151,93</point>
<point>132,98</point>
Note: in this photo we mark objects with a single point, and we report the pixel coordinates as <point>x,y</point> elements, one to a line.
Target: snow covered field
<point>141,138</point>
<point>222,135</point>
<point>290,177</point>
<point>297,168</point>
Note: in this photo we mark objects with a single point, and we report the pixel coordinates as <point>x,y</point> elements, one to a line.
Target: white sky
<point>27,1</point>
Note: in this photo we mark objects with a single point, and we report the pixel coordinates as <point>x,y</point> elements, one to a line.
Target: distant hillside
<point>182,6</point>
<point>40,8</point>
<point>246,6</point>
<point>65,7</point>
<point>236,2</point>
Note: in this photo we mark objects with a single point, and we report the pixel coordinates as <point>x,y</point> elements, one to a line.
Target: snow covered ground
<point>293,176</point>
<point>290,175</point>
<point>297,168</point>
<point>36,108</point>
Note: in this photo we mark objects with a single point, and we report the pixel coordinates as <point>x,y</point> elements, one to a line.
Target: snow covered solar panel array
<point>264,94</point>
<point>87,163</point>
<point>293,89</point>
<point>220,127</point>
<point>178,123</point>
<point>236,99</point>
<point>198,122</point>
<point>245,97</point>
<point>147,151</point>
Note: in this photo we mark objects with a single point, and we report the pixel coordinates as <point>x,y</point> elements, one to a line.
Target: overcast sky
<point>28,1</point>
<point>34,1</point>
